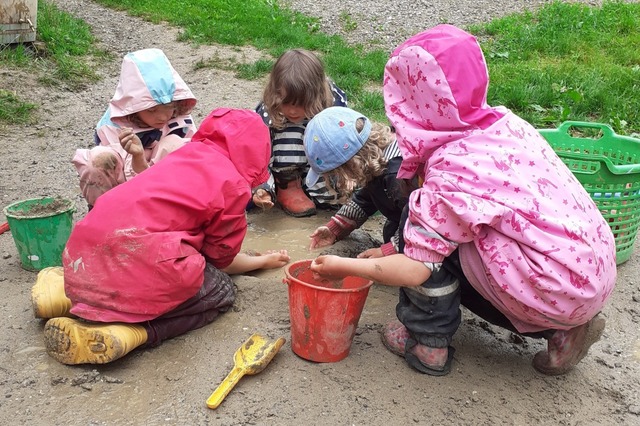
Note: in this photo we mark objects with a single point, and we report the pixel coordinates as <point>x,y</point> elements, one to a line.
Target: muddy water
<point>274,230</point>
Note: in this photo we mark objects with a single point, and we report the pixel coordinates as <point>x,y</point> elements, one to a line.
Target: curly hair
<point>367,164</point>
<point>297,78</point>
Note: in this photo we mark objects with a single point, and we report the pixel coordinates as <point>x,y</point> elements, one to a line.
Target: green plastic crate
<point>608,166</point>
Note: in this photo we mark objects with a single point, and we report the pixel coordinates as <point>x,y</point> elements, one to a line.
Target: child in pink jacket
<point>147,118</point>
<point>500,224</point>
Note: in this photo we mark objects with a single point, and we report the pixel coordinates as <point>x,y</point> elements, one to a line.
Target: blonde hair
<point>367,164</point>
<point>182,107</point>
<point>297,78</point>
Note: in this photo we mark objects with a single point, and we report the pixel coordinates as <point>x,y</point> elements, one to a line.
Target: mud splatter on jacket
<point>141,251</point>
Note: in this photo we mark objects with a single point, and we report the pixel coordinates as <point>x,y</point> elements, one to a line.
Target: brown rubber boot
<point>566,348</point>
<point>72,341</point>
<point>292,198</point>
<point>47,294</point>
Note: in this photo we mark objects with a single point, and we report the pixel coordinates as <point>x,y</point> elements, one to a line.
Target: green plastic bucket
<point>40,228</point>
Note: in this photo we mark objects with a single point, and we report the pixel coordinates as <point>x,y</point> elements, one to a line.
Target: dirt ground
<point>492,381</point>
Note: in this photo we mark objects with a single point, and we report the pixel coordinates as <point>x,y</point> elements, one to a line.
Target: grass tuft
<point>59,57</point>
<point>13,110</point>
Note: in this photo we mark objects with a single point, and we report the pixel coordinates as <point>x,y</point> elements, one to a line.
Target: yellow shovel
<point>251,358</point>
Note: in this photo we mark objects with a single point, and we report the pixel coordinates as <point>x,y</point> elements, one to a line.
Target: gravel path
<point>385,24</point>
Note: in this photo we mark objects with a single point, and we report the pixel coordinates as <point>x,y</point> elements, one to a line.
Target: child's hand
<point>262,199</point>
<point>130,142</point>
<point>275,259</point>
<point>324,267</point>
<point>322,237</point>
<point>371,253</point>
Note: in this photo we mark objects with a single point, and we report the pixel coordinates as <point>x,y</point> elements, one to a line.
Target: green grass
<point>566,61</point>
<point>347,21</point>
<point>68,43</point>
<point>267,26</point>
<point>64,45</point>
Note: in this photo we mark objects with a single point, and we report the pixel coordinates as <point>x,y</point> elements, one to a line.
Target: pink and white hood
<point>147,79</point>
<point>530,238</point>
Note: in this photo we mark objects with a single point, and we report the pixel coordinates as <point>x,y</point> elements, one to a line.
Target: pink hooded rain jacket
<point>530,238</point>
<point>147,79</point>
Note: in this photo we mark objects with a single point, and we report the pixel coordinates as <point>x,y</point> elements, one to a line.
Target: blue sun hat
<point>331,139</point>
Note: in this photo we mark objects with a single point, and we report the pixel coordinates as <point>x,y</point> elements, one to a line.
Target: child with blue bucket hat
<point>359,159</point>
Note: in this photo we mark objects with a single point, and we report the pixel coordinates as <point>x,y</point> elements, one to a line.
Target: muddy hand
<point>276,259</point>
<point>326,267</point>
<point>322,237</point>
<point>130,142</point>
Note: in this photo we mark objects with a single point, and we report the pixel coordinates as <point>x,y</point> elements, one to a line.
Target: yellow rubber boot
<point>72,341</point>
<point>47,295</point>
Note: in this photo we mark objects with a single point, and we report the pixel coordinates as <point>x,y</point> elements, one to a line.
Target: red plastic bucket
<point>324,313</point>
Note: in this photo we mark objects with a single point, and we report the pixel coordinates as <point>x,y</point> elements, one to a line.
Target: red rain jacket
<point>141,251</point>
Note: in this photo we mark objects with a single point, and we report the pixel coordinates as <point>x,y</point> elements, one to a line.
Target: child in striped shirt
<point>297,90</point>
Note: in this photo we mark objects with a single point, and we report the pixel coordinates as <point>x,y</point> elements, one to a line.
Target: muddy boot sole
<point>305,213</point>
<point>71,342</point>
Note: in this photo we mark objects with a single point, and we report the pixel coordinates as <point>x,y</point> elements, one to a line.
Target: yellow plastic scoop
<point>251,358</point>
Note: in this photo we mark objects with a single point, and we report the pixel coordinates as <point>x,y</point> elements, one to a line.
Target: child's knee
<point>107,161</point>
<point>103,158</point>
<point>166,146</point>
